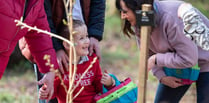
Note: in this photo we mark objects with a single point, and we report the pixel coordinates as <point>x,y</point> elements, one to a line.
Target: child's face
<point>81,41</point>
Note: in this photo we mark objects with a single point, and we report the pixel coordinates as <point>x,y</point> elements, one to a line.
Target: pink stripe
<point>187,81</point>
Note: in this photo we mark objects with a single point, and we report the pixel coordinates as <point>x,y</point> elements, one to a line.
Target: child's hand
<point>43,94</point>
<point>107,80</point>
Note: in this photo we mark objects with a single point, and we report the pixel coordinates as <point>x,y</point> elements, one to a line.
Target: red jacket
<point>91,83</point>
<point>39,44</point>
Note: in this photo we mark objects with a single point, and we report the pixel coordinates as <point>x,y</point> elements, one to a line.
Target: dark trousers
<point>166,94</point>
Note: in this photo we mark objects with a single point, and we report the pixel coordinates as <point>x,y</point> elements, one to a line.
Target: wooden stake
<point>145,35</point>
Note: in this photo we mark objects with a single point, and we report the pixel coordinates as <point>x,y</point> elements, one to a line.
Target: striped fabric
<point>124,92</point>
<point>187,75</point>
<point>194,26</point>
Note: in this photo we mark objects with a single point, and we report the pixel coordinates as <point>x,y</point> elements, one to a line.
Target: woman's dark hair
<point>133,5</point>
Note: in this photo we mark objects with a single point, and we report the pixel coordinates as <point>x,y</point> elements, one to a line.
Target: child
<point>195,27</point>
<point>93,79</point>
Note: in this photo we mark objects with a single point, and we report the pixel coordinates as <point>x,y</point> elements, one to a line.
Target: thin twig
<point>94,60</point>
<point>23,25</point>
<point>78,92</point>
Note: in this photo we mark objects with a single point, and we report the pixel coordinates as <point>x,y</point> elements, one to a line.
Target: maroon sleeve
<point>41,44</point>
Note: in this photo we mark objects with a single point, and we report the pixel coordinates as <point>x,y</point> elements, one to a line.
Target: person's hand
<point>94,47</point>
<point>172,82</point>
<point>48,81</point>
<point>42,92</point>
<point>62,59</point>
<point>151,62</point>
<point>107,79</point>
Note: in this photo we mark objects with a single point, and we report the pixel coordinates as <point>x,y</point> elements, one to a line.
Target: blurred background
<point>119,56</point>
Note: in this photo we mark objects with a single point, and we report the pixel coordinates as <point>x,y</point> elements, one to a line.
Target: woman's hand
<point>107,80</point>
<point>94,47</point>
<point>172,82</point>
<point>151,62</point>
<point>62,59</point>
<point>48,82</point>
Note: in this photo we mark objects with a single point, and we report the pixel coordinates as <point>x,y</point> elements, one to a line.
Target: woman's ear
<point>66,45</point>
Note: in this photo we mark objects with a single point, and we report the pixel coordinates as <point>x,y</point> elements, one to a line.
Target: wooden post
<point>143,56</point>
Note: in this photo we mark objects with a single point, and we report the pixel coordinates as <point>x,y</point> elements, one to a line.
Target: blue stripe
<point>187,73</point>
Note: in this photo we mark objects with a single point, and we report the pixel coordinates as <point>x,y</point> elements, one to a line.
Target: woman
<point>169,47</point>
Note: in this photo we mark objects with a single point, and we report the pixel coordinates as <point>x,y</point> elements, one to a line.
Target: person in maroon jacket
<point>32,13</point>
<point>92,80</point>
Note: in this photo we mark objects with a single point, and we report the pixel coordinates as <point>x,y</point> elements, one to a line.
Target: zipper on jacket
<point>25,8</point>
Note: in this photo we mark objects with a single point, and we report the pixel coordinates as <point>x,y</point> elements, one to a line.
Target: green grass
<point>201,6</point>
<point>6,96</point>
<point>11,97</point>
<point>16,88</point>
